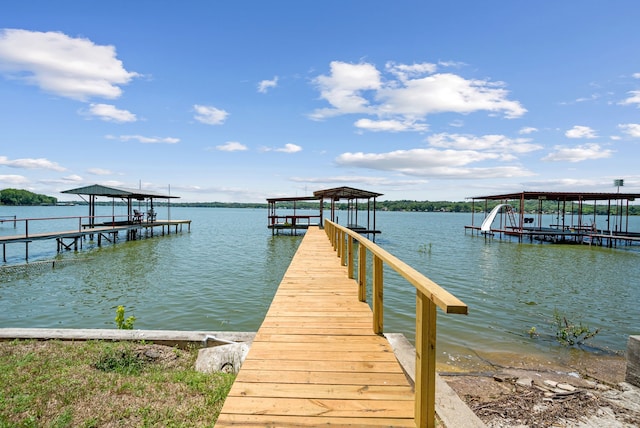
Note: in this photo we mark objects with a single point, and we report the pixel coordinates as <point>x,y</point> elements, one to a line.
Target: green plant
<point>121,323</point>
<point>424,248</point>
<point>533,332</point>
<point>569,333</point>
<point>120,360</point>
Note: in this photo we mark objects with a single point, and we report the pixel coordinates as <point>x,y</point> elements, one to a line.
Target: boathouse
<point>305,211</point>
<point>557,217</point>
<point>127,195</point>
<point>69,232</point>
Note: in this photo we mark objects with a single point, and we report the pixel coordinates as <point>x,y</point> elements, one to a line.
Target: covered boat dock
<point>128,195</point>
<point>294,219</point>
<point>69,232</point>
<point>576,217</point>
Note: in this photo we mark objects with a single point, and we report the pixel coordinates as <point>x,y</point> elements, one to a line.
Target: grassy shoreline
<point>102,383</point>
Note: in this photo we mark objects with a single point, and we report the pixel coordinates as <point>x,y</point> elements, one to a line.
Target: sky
<point>239,101</point>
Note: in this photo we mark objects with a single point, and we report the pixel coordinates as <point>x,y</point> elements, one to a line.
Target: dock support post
<point>362,273</point>
<point>378,297</point>
<point>425,384</point>
<point>350,257</point>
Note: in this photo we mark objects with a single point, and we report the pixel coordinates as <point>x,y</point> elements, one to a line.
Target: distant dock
<point>600,219</point>
<point>293,220</point>
<point>72,239</point>
<point>70,232</point>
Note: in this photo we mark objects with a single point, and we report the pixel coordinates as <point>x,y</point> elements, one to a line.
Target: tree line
<point>24,197</point>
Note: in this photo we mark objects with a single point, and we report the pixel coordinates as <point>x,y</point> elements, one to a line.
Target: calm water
<point>223,274</point>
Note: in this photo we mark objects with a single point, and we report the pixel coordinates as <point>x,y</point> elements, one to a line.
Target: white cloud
<point>66,66</point>
<point>581,132</point>
<point>12,179</point>
<point>356,179</point>
<point>634,98</point>
<point>265,85</point>
<point>110,113</point>
<point>73,178</point>
<point>390,125</point>
<point>447,92</point>
<point>632,129</point>
<point>431,162</point>
<point>231,146</point>
<point>30,163</point>
<point>408,95</point>
<point>490,143</point>
<point>147,140</point>
<point>344,86</point>
<point>210,115</point>
<point>563,184</point>
<point>527,130</point>
<point>289,148</point>
<point>99,171</point>
<point>578,153</point>
<point>404,72</point>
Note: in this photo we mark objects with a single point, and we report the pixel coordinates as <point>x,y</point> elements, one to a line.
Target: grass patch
<point>94,383</point>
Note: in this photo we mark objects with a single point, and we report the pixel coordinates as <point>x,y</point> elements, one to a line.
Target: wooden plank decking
<point>315,360</point>
<point>98,229</point>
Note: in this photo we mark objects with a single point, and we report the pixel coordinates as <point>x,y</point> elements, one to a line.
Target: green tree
<point>24,197</point>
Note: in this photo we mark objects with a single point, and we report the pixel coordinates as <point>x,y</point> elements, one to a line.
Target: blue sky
<point>237,101</point>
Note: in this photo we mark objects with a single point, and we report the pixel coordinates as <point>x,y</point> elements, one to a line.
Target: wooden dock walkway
<point>315,360</point>
<point>72,239</point>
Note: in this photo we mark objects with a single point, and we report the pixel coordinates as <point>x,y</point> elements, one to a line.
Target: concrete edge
<point>162,337</point>
<point>449,406</point>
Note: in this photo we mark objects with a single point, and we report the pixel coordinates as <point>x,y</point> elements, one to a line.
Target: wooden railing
<point>428,296</point>
<point>6,218</point>
<point>77,222</point>
<point>292,220</point>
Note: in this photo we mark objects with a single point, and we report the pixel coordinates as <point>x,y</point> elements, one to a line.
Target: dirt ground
<point>511,392</point>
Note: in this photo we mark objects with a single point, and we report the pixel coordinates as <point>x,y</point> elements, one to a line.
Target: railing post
<point>350,260</point>
<point>378,300</point>
<point>362,273</point>
<point>334,238</point>
<point>425,386</point>
<point>343,255</point>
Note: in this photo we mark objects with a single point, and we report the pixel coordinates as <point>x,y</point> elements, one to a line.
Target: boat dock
<point>576,217</point>
<point>72,239</point>
<point>320,358</point>
<point>293,220</point>
<point>70,232</point>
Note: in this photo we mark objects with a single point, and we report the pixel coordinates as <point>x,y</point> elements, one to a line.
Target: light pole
<point>619,182</point>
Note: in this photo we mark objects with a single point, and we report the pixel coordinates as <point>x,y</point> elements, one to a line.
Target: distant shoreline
<point>398,206</point>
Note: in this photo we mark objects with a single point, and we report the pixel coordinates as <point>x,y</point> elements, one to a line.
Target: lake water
<point>222,275</point>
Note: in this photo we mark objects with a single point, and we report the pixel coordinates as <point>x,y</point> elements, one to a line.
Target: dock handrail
<point>428,296</point>
<point>8,218</point>
<point>291,219</point>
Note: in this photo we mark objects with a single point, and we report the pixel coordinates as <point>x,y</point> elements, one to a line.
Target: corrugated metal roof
<point>116,192</point>
<point>345,193</point>
<point>561,196</point>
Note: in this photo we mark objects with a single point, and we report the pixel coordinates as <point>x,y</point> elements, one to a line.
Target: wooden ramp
<point>315,360</point>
